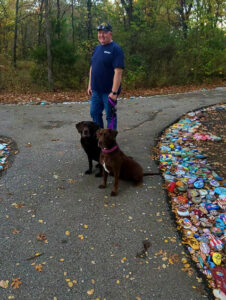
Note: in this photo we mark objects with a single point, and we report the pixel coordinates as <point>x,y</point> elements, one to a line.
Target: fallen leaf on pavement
<point>41,237</point>
<point>39,268</point>
<point>16,282</point>
<point>90,292</point>
<point>36,255</point>
<point>4,284</point>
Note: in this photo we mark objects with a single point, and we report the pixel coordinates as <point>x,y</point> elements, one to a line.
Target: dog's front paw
<point>113,193</point>
<point>99,174</point>
<point>88,172</point>
<point>102,186</point>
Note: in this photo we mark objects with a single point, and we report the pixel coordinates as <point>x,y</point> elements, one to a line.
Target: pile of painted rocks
<point>198,196</point>
<point>4,153</point>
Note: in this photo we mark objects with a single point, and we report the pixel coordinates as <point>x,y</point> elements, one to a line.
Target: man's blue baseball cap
<point>105,27</point>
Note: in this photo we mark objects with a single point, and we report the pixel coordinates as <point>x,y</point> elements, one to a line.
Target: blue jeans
<point>99,103</point>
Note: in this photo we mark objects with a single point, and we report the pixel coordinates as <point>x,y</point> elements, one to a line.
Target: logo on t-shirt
<point>107,52</point>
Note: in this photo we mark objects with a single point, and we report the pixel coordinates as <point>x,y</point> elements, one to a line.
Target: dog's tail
<point>150,173</point>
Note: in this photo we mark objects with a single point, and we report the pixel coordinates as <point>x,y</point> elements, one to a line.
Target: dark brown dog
<point>115,162</point>
<point>89,142</point>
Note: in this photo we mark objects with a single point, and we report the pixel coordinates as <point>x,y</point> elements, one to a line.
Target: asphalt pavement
<point>94,247</point>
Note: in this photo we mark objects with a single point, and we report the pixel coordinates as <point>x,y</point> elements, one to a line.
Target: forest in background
<point>47,44</point>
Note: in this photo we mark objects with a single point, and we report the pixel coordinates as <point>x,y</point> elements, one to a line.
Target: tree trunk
<point>130,11</point>
<point>58,19</point>
<point>128,6</point>
<point>184,10</point>
<point>48,45</point>
<point>89,19</point>
<point>72,21</point>
<point>15,35</point>
<point>40,23</point>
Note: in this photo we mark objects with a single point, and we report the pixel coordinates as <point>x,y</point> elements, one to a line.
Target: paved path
<point>48,179</point>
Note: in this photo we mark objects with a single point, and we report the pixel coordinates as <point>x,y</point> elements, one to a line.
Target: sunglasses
<point>104,27</point>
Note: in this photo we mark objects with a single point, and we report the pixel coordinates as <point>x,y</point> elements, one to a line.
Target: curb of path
<point>10,159</point>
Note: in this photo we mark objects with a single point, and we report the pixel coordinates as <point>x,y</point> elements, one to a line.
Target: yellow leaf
<point>67,232</point>
<point>72,180</point>
<point>70,284</point>
<point>54,298</point>
<point>4,284</point>
<point>93,281</point>
<point>40,221</point>
<point>81,236</point>
<point>38,268</point>
<point>118,281</point>
<point>85,226</point>
<point>123,259</point>
<point>61,259</point>
<point>90,292</point>
<point>199,279</point>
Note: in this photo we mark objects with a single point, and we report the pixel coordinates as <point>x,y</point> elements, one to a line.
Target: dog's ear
<point>115,132</point>
<point>79,126</point>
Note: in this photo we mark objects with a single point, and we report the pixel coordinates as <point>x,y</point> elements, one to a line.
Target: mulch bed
<point>215,122</point>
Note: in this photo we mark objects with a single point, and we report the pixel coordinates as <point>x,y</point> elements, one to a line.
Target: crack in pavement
<point>151,118</point>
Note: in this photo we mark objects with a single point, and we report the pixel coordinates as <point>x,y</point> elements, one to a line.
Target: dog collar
<point>109,150</point>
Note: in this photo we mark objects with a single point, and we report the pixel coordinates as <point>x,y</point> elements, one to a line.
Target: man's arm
<point>89,91</point>
<point>116,82</point>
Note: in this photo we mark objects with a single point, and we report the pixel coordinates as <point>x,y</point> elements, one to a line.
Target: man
<point>105,76</point>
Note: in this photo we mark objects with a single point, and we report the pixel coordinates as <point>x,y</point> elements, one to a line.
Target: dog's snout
<point>85,132</point>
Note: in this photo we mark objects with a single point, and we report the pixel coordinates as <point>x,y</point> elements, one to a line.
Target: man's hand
<point>113,97</point>
<point>89,91</point>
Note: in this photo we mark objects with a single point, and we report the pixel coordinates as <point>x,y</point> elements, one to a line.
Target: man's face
<point>104,37</point>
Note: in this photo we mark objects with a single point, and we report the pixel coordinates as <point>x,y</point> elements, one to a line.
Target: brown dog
<point>115,162</point>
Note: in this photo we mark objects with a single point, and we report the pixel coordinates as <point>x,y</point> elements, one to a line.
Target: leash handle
<point>112,103</point>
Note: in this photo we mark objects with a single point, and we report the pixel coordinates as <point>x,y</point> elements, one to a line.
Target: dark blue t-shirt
<point>105,59</point>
